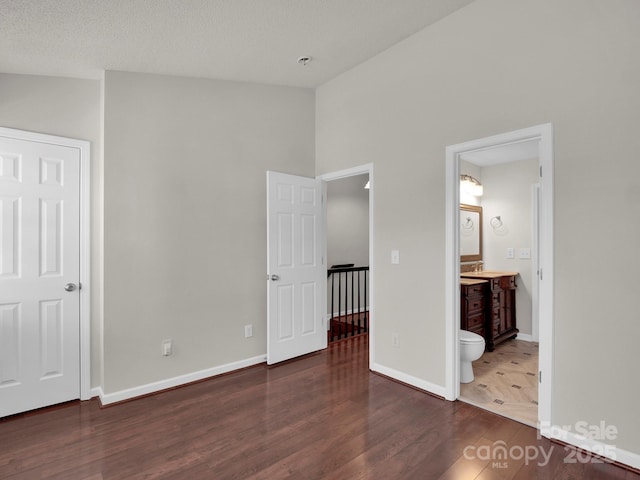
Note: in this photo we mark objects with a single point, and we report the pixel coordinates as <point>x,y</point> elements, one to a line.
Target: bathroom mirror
<point>470,233</point>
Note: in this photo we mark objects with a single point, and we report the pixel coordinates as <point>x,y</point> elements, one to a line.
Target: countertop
<point>487,274</point>
<point>472,281</point>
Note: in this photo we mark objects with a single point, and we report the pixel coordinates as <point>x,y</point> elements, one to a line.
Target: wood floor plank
<point>323,416</point>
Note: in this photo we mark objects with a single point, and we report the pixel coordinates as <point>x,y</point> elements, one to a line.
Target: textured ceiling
<point>247,40</point>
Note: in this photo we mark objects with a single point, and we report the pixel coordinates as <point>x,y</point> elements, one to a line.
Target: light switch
<point>511,252</point>
<point>395,257</point>
<point>524,253</point>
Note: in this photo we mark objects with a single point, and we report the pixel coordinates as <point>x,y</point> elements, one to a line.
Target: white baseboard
<point>107,398</point>
<point>97,392</point>
<point>594,446</point>
<point>409,379</point>
<point>525,337</point>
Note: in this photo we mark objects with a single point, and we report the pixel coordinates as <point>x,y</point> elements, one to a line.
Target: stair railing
<point>349,307</point>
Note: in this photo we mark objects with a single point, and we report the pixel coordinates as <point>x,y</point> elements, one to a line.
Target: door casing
<point>350,172</point>
<point>85,243</point>
<point>543,133</point>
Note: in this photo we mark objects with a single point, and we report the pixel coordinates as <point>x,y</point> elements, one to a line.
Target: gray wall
<point>348,221</point>
<point>70,108</point>
<point>185,218</point>
<point>507,192</point>
<point>492,67</point>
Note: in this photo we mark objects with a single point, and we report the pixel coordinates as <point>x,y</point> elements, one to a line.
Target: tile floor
<point>506,382</point>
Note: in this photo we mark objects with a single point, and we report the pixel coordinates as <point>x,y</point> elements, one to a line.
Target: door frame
<point>543,133</point>
<point>535,259</point>
<point>352,172</point>
<point>84,149</point>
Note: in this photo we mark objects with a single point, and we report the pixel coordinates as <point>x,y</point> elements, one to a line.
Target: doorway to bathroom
<point>513,376</point>
<point>498,282</point>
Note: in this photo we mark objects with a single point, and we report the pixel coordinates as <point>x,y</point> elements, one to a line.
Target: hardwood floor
<point>322,416</point>
<point>347,326</point>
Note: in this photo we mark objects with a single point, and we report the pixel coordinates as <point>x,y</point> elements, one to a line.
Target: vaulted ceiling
<point>246,40</point>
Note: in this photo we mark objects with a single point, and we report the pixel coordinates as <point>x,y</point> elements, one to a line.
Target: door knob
<point>275,278</point>
<point>70,287</point>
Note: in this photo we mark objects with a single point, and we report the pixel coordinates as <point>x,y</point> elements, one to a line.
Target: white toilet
<point>471,348</point>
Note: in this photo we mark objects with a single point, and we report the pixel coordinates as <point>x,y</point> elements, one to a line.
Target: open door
<point>39,273</point>
<point>296,273</point>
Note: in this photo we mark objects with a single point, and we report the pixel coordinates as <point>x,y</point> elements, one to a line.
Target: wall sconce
<point>470,185</point>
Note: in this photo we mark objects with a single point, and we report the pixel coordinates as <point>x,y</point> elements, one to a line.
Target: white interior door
<point>39,274</point>
<point>296,271</point>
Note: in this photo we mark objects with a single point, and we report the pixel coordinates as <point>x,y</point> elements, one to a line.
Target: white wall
<point>348,221</point>
<point>507,193</point>
<point>185,218</point>
<point>492,67</point>
<point>65,107</point>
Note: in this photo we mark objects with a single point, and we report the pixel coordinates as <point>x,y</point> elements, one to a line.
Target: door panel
<point>9,343</point>
<point>39,255</point>
<point>309,304</point>
<point>297,275</point>
<point>9,244</point>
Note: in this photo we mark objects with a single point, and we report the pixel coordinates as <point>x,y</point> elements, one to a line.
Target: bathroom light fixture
<point>470,185</point>
<point>367,186</point>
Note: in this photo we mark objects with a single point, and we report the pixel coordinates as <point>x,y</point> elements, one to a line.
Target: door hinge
<point>540,171</point>
<point>540,274</point>
<point>540,376</point>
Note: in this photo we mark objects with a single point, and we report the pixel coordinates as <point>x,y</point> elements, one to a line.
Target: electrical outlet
<point>511,252</point>
<point>167,347</point>
<point>395,257</point>
<point>395,340</point>
<point>248,331</point>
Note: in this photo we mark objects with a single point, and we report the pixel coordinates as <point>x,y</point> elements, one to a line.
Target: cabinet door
<point>510,309</point>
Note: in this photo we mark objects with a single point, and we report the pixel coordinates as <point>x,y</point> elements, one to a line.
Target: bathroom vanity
<point>473,305</point>
<point>488,305</point>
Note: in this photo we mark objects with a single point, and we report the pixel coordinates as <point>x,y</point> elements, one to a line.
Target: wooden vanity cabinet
<point>473,306</point>
<point>500,305</point>
<point>502,308</point>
